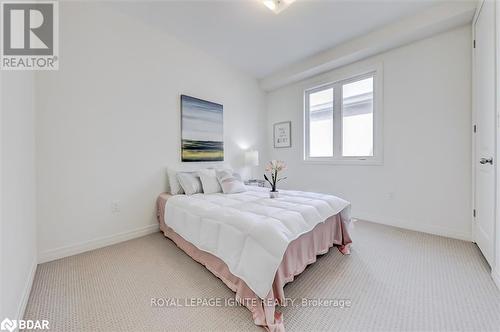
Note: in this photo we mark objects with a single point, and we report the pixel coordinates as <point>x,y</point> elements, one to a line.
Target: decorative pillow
<point>230,182</point>
<point>190,182</point>
<point>209,181</point>
<point>175,186</point>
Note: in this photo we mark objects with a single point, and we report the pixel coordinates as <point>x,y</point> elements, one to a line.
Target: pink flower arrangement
<point>274,167</point>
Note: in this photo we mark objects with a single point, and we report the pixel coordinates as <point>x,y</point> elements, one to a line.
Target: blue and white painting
<point>202,130</point>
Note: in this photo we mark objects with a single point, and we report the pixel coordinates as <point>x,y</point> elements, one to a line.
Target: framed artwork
<point>283,134</point>
<point>202,132</point>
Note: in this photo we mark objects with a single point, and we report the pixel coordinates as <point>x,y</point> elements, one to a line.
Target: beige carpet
<point>397,280</point>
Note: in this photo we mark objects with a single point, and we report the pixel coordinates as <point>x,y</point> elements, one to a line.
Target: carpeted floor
<point>396,280</point>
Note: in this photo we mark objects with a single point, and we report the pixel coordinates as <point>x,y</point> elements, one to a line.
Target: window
<point>321,123</point>
<point>357,118</point>
<point>342,122</point>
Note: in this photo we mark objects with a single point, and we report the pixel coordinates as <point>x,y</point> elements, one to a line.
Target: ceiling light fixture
<point>277,6</point>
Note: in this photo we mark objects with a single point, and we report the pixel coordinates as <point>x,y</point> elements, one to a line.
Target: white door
<point>485,120</point>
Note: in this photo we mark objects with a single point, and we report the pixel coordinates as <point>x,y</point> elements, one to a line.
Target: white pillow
<point>175,186</point>
<point>209,181</point>
<point>230,182</point>
<point>190,182</point>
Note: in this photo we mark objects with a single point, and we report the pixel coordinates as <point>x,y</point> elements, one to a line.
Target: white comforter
<point>249,231</point>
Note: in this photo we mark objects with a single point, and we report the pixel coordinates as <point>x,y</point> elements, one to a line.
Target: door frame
<point>495,273</point>
<point>495,268</point>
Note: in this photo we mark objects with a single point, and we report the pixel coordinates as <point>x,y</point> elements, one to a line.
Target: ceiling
<point>249,36</point>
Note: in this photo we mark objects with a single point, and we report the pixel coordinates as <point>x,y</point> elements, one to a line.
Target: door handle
<point>483,161</point>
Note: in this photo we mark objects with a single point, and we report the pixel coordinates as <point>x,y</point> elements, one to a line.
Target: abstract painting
<point>202,130</point>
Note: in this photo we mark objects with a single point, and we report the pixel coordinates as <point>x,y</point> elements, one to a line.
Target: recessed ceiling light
<point>277,6</point>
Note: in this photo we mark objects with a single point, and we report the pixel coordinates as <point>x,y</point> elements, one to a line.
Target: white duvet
<point>249,231</point>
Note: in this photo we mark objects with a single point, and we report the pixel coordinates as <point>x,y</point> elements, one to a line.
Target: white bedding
<point>249,231</point>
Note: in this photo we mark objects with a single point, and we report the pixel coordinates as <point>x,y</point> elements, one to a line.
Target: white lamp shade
<point>252,158</point>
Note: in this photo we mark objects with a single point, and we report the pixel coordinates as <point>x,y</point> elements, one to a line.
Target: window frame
<point>336,84</point>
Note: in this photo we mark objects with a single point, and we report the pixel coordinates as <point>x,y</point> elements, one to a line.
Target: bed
<point>254,244</point>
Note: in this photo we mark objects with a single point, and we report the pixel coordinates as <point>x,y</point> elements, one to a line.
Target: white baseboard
<point>424,228</point>
<point>104,241</point>
<point>495,274</point>
<point>27,290</point>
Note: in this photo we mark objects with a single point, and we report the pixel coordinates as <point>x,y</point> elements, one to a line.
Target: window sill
<point>359,162</point>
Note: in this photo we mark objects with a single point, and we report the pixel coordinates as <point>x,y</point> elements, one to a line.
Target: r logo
<point>28,28</point>
<point>29,35</point>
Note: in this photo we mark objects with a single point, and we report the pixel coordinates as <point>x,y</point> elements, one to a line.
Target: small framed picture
<point>283,134</point>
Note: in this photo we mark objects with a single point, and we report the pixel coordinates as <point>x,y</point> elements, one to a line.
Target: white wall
<point>425,182</point>
<point>18,226</point>
<point>109,123</point>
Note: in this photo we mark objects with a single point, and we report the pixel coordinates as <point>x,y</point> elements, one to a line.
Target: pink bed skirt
<point>300,253</point>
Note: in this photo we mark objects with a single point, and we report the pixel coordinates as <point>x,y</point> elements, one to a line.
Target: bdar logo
<point>8,325</point>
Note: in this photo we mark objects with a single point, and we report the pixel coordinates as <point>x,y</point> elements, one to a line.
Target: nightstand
<point>255,182</point>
